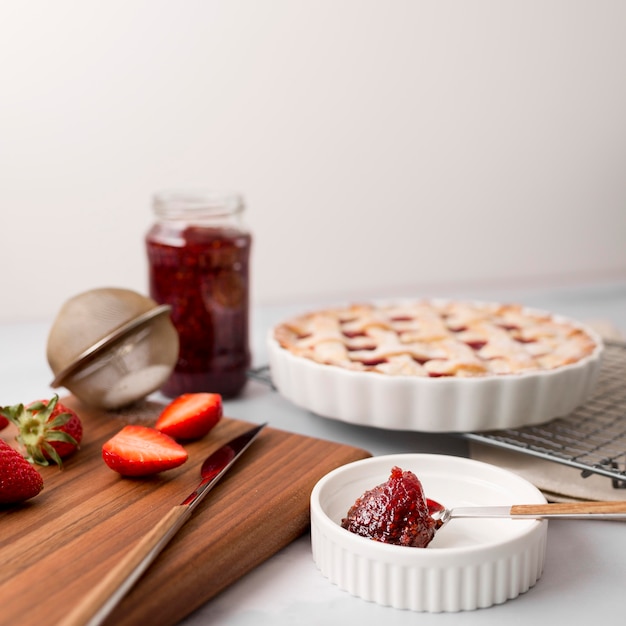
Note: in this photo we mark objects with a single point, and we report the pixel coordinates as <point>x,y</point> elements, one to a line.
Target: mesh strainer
<point>111,347</point>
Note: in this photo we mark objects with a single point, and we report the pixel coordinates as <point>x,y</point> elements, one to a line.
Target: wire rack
<point>592,438</point>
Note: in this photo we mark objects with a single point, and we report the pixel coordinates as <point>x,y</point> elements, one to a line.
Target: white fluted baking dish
<point>441,404</point>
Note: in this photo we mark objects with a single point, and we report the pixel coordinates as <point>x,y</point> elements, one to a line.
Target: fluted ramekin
<point>470,564</point>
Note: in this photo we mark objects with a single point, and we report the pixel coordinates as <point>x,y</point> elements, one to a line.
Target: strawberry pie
<point>436,339</point>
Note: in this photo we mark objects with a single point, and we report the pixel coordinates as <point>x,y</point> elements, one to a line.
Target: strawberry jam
<point>394,512</point>
<point>198,257</point>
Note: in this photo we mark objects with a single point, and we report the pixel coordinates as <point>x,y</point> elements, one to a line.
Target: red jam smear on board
<point>203,274</point>
<point>394,512</point>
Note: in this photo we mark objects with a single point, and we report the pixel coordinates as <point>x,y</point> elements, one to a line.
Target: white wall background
<point>382,146</point>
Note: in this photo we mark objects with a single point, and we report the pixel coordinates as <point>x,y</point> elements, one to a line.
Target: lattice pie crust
<point>436,338</point>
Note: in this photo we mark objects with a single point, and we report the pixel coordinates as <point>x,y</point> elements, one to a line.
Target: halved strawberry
<point>48,430</point>
<point>19,480</point>
<point>140,451</point>
<point>191,415</point>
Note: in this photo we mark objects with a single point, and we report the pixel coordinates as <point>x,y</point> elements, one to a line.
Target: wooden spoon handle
<point>570,508</point>
<point>103,598</point>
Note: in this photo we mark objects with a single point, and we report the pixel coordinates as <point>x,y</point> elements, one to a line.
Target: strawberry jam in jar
<point>198,257</point>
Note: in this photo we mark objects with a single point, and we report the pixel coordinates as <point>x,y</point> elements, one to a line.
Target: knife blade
<point>105,596</point>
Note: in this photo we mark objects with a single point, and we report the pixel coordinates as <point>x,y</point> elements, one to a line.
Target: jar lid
<point>185,203</point>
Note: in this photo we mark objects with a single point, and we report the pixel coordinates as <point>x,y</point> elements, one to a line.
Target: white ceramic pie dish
<point>470,564</point>
<point>444,404</point>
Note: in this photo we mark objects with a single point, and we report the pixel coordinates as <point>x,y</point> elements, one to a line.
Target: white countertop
<point>585,567</point>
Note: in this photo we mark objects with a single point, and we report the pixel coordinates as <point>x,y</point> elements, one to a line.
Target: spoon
<point>612,510</point>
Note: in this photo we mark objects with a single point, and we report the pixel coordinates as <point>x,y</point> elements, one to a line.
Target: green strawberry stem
<point>35,431</point>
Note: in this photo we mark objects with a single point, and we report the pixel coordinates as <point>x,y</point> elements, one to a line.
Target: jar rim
<point>188,202</point>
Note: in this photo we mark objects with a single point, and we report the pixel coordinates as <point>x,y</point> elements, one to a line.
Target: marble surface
<point>586,561</point>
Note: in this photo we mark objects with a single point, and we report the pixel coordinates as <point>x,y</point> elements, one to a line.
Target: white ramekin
<point>471,563</point>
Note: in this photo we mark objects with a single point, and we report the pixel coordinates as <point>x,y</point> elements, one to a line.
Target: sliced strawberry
<point>140,451</point>
<point>19,480</point>
<point>48,430</point>
<point>191,415</point>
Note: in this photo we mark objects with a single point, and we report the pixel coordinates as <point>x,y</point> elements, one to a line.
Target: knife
<point>105,596</point>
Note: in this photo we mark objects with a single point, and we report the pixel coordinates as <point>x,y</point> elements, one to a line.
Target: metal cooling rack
<point>592,438</point>
<point>262,374</point>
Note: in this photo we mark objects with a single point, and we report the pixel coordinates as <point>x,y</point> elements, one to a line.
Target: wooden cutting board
<point>55,547</point>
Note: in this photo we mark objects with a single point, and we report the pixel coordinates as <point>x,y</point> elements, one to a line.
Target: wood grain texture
<point>54,547</point>
<point>570,508</point>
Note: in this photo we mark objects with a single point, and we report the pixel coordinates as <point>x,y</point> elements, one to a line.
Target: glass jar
<point>199,258</point>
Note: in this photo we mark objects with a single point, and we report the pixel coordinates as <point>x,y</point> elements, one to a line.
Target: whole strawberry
<point>48,430</point>
<point>19,480</point>
<point>4,422</point>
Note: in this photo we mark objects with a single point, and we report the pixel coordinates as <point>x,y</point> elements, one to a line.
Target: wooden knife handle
<point>102,598</point>
<point>570,508</point>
